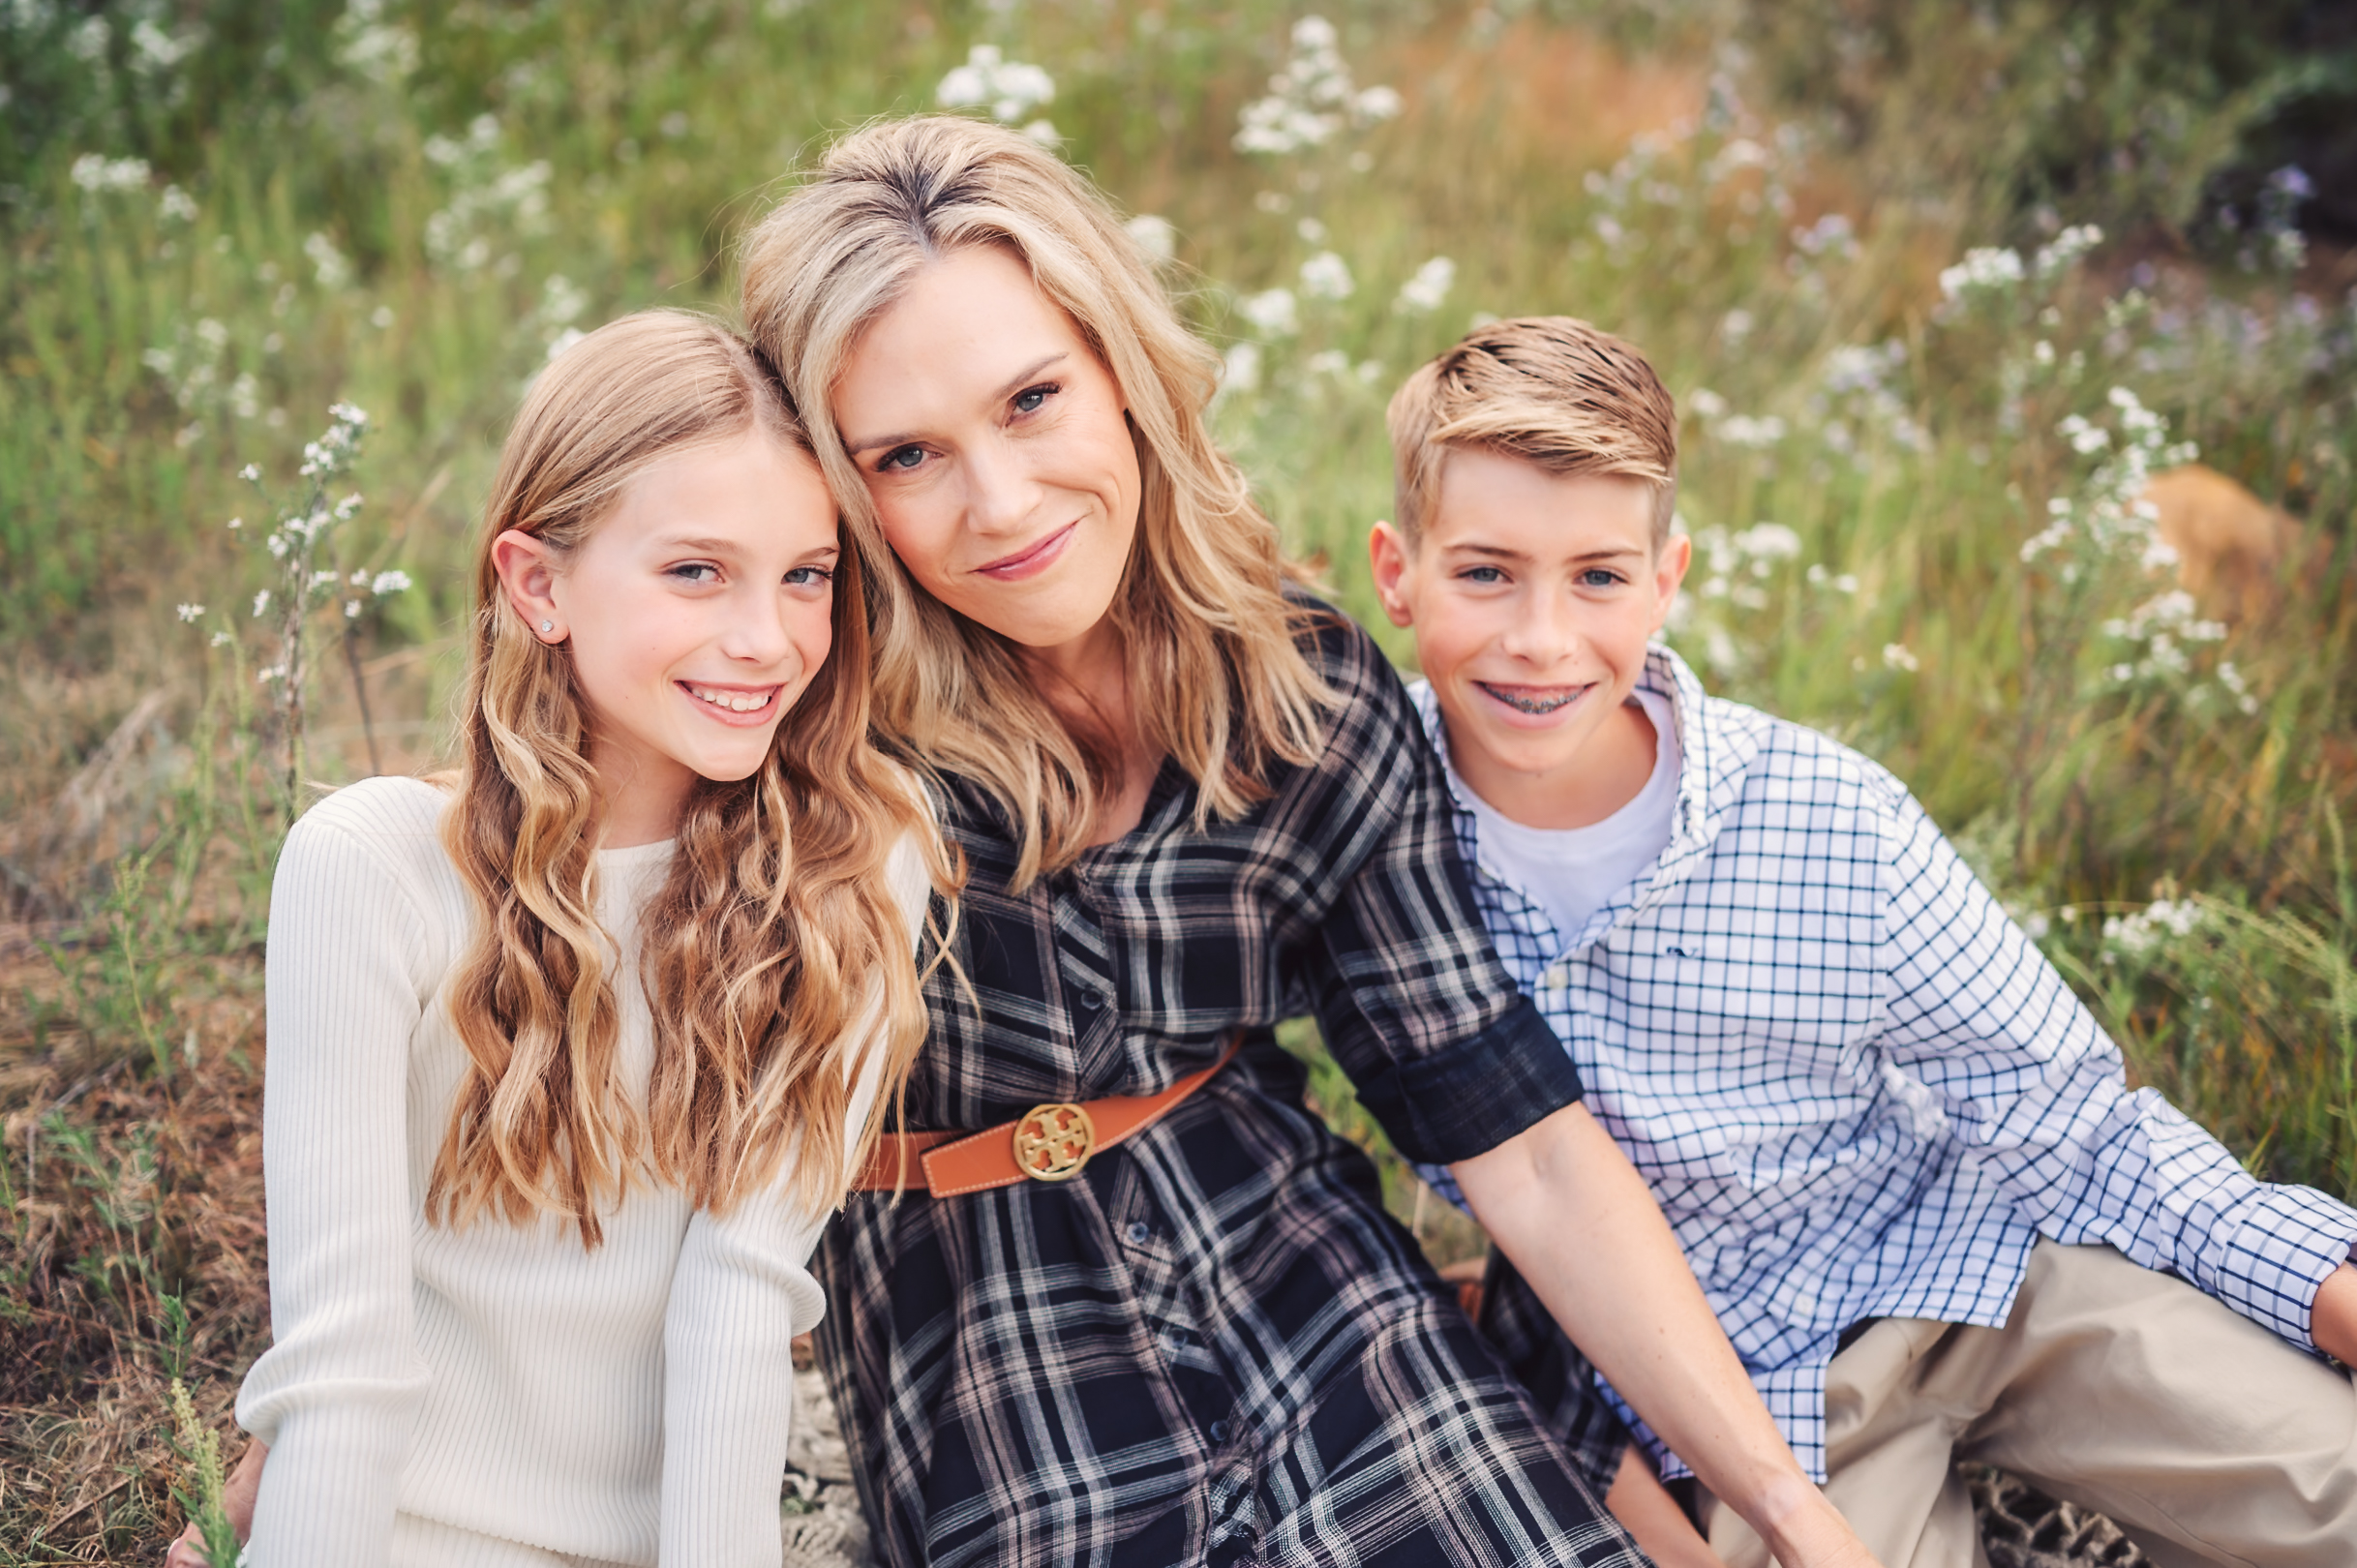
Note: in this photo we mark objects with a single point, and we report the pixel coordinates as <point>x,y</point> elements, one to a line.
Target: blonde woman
<point>570,1059</point>
<point>1135,1304</point>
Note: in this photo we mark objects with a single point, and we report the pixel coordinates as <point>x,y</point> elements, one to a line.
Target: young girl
<point>570,1059</point>
<point>1142,1307</point>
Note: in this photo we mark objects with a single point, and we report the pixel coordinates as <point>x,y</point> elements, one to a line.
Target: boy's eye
<point>901,459</point>
<point>1599,576</point>
<point>1033,398</point>
<point>1482,574</point>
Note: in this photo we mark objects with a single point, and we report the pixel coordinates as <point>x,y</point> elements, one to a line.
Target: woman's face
<point>993,441</point>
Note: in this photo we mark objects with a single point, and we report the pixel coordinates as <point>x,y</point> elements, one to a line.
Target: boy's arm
<point>2035,1093</point>
<point>1574,1217</point>
<point>2333,1319</point>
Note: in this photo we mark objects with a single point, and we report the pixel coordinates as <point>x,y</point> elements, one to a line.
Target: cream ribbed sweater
<point>628,1404</point>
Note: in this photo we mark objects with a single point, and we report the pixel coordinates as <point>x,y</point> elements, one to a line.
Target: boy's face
<point>1532,597</point>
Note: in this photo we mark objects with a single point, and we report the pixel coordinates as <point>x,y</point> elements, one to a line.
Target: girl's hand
<point>237,1495</point>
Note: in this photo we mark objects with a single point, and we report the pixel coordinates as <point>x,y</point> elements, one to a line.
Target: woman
<point>1141,1306</point>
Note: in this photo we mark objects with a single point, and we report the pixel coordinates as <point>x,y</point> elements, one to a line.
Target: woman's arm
<point>1575,1218</point>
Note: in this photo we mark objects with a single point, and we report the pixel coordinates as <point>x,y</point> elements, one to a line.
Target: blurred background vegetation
<point>1939,287</point>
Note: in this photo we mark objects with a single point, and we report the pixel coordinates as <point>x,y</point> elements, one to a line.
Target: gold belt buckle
<point>1052,1142</point>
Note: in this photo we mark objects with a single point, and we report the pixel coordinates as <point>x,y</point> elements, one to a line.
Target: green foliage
<point>202,1497</point>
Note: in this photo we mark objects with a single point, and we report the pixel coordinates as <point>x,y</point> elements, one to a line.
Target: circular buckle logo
<point>1052,1142</point>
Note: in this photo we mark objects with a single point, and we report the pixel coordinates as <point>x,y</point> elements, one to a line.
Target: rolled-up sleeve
<point>2036,1093</point>
<point>1445,1052</point>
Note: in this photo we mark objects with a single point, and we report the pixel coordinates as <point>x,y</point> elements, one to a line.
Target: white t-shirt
<point>1573,872</point>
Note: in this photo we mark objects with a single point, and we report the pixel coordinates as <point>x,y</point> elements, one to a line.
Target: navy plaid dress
<point>1213,1345</point>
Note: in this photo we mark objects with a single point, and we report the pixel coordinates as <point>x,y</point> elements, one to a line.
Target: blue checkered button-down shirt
<point>1856,1087</point>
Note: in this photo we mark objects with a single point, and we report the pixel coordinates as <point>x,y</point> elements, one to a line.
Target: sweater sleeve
<point>338,1392</point>
<point>743,1290</point>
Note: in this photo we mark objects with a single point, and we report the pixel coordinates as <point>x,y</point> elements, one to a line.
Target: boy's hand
<point>237,1493</point>
<point>1564,1205</point>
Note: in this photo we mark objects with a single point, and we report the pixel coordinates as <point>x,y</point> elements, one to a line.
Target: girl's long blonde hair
<point>775,949</point>
<point>1216,676</point>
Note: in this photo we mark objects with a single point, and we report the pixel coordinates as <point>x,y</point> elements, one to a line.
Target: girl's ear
<point>527,575</point>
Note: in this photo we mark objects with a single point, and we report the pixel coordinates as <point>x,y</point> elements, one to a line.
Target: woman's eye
<point>902,459</point>
<point>1033,398</point>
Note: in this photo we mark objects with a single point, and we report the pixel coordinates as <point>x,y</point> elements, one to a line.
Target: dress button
<point>1219,1432</point>
<point>1139,1233</point>
<point>1092,1000</point>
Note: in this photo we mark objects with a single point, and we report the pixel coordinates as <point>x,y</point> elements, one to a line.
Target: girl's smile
<point>695,612</point>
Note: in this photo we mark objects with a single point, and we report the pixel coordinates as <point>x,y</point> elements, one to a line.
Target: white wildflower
<point>1767,541</point>
<point>94,171</point>
<point>2152,929</point>
<point>1312,99</point>
<point>1240,370</point>
<point>392,582</point>
<point>1425,292</point>
<point>2066,249</point>
<point>333,271</point>
<point>1743,430</point>
<point>1272,311</point>
<point>262,604</point>
<point>1896,656</point>
<point>189,612</point>
<point>175,204</point>
<point>1154,235</point>
<point>1326,275</point>
<point>1986,269</point>
<point>1010,88</point>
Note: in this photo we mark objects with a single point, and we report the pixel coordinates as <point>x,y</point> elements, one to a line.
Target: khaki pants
<point>2204,1436</point>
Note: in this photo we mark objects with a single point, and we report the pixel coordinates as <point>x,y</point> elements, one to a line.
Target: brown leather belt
<point>1046,1143</point>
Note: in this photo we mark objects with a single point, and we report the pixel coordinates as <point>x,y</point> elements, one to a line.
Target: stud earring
<point>548,625</point>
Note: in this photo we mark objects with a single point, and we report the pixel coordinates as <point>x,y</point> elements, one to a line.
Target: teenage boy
<point>1900,1155</point>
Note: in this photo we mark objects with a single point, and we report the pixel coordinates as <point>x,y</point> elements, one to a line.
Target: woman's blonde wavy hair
<point>1217,677</point>
<point>776,963</point>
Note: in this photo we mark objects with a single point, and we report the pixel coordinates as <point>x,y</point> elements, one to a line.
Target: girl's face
<point>696,611</point>
<point>993,442</point>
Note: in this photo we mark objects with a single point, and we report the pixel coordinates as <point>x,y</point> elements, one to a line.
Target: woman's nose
<point>1001,491</point>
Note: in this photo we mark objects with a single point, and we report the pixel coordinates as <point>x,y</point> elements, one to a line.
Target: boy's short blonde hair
<point>1548,389</point>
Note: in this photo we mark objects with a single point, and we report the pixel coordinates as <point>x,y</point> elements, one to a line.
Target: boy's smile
<point>1533,596</point>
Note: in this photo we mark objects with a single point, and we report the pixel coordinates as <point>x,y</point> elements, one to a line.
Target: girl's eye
<point>810,576</point>
<point>901,459</point>
<point>1485,575</point>
<point>1033,398</point>
<point>696,571</point>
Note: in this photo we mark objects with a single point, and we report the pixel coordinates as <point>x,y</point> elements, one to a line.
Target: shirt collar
<point>1714,752</point>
